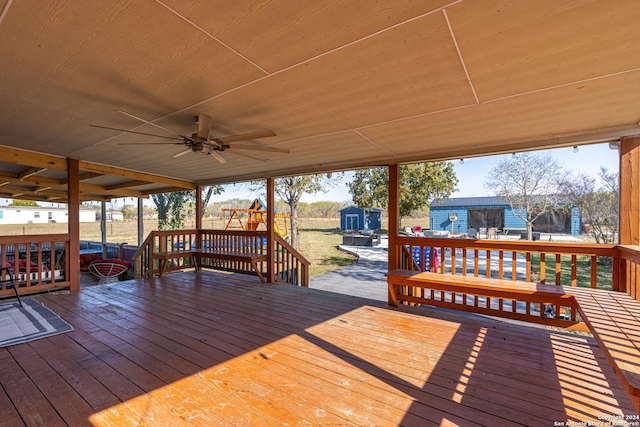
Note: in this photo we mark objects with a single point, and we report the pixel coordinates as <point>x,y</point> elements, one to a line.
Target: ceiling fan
<point>202,143</point>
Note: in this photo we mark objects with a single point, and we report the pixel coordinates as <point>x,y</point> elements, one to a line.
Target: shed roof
<point>357,207</point>
<point>468,201</point>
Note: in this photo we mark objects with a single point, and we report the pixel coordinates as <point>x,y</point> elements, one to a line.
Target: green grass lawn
<point>319,240</point>
<point>583,271</point>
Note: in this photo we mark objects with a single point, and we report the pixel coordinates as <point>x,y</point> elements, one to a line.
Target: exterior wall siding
<point>439,218</point>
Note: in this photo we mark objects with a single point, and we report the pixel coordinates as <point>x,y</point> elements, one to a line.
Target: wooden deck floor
<point>216,349</point>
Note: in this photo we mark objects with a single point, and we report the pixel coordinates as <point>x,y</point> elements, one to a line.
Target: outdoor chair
<point>8,280</point>
<point>492,233</point>
<point>109,270</point>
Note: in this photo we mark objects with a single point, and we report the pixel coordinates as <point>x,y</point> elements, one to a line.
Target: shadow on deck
<point>223,349</point>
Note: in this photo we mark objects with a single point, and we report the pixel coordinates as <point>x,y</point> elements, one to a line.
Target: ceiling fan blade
<point>251,156</point>
<point>218,157</point>
<point>244,137</point>
<point>204,126</point>
<point>150,123</point>
<point>182,153</point>
<point>260,148</point>
<point>139,133</point>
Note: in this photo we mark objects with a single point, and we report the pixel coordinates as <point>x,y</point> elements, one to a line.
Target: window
<point>50,216</point>
<point>36,214</point>
<point>1,214</point>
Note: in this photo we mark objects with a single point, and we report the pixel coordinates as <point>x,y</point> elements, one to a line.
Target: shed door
<point>352,221</point>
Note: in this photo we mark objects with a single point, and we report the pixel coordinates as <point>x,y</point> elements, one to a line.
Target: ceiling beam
<point>110,170</point>
<point>17,156</point>
<point>162,190</point>
<point>101,190</point>
<point>27,173</point>
<point>83,177</point>
<point>41,189</point>
<point>33,180</point>
<point>125,185</point>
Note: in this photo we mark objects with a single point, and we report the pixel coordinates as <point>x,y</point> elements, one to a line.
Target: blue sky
<point>472,173</point>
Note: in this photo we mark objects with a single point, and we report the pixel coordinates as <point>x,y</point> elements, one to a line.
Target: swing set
<point>252,218</point>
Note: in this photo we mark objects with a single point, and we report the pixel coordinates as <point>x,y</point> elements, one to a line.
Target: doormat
<point>27,323</point>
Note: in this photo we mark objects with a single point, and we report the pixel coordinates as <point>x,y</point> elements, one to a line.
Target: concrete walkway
<point>366,278</point>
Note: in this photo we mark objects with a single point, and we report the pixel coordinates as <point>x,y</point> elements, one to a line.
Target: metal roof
<point>468,202</point>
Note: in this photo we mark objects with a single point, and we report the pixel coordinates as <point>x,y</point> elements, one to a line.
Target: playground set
<point>255,218</point>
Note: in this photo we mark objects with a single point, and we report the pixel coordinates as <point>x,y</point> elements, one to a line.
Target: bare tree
<point>530,183</point>
<point>598,203</point>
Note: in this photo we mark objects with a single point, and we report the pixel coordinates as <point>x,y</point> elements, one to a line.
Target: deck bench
<point>196,254</point>
<point>614,320</point>
<point>505,294</point>
<point>612,317</point>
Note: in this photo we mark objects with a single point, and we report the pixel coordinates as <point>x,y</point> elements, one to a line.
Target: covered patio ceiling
<point>343,84</point>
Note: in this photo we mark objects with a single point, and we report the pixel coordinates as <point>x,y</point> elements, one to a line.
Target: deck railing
<point>39,261</point>
<point>629,271</point>
<point>612,267</point>
<point>290,266</point>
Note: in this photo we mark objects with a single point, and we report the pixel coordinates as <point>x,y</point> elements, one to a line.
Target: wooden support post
<point>199,207</point>
<point>394,219</point>
<point>73,193</point>
<point>629,224</point>
<point>271,235</point>
<point>103,228</point>
<point>140,221</point>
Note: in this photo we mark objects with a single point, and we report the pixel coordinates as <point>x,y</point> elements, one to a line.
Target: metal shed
<point>355,218</point>
<point>487,212</point>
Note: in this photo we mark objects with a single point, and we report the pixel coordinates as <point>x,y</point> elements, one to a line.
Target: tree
<point>129,211</point>
<point>325,209</point>
<point>17,202</point>
<point>169,205</point>
<point>530,183</point>
<point>206,194</point>
<point>598,204</point>
<point>419,184</point>
<point>291,189</point>
<point>173,208</point>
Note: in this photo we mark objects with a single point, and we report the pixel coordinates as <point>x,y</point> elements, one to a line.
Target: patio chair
<point>9,281</point>
<point>109,270</point>
<point>472,233</point>
<point>492,233</point>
